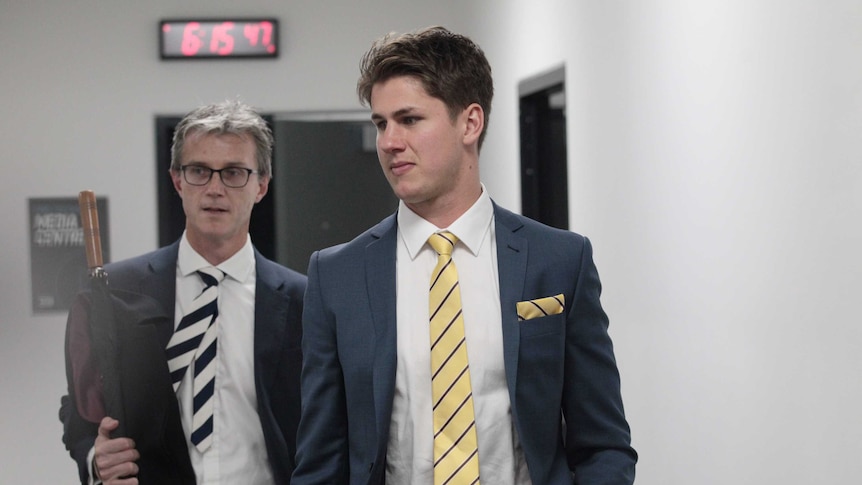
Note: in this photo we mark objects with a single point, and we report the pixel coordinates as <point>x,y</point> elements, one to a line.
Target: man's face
<point>217,215</point>
<point>422,150</point>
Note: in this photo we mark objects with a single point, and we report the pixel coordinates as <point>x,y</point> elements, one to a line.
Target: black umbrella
<point>125,336</point>
<point>104,340</point>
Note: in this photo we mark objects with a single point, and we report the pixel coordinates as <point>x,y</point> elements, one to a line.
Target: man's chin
<point>213,232</point>
<point>408,193</point>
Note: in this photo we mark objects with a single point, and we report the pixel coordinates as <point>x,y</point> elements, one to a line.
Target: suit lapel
<point>161,284</point>
<point>512,252</point>
<point>162,430</point>
<point>380,257</point>
<point>270,313</point>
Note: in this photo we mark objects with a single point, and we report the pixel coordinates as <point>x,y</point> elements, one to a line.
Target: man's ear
<point>474,123</point>
<point>263,188</point>
<point>176,178</point>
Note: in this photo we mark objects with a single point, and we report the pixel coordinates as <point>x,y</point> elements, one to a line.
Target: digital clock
<point>218,38</point>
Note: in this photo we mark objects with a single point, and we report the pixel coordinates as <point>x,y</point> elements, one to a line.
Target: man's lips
<point>399,168</point>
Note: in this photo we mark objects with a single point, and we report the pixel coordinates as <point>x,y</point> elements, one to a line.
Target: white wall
<point>715,154</point>
<point>714,162</point>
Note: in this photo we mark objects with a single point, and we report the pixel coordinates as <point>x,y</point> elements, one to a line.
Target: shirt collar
<point>471,228</point>
<point>239,266</point>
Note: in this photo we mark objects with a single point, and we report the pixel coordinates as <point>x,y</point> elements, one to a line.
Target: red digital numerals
<point>192,42</point>
<point>225,39</point>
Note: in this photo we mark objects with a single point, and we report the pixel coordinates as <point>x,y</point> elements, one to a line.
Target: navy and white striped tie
<point>195,338</point>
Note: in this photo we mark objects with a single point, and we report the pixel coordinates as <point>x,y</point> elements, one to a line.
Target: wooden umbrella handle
<point>90,221</point>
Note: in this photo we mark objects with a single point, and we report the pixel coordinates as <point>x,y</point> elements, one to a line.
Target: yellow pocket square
<point>541,307</point>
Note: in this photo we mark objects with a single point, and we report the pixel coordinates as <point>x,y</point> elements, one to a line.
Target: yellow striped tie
<point>456,452</point>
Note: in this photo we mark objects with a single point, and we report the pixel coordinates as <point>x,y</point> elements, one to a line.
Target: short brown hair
<point>451,67</point>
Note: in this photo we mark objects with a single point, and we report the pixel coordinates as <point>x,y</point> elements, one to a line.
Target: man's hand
<point>114,459</point>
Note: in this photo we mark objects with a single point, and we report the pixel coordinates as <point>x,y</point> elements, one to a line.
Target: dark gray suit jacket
<point>563,381</point>
<point>150,405</point>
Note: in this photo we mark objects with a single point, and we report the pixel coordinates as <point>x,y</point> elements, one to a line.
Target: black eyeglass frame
<point>211,171</point>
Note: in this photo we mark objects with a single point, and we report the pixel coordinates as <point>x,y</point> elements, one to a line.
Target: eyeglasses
<point>233,177</point>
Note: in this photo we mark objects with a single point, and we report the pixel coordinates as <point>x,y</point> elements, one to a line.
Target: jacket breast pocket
<point>541,357</point>
<point>551,326</point>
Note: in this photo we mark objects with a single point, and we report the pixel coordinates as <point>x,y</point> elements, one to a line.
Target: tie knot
<point>443,242</point>
<point>211,276</point>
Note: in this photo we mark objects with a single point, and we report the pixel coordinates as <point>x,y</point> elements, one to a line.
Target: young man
<point>213,398</point>
<point>517,383</point>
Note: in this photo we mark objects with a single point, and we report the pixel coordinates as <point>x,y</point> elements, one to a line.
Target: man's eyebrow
<point>398,113</point>
<point>228,164</point>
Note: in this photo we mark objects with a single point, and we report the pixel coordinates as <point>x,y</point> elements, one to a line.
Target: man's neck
<point>443,212</point>
<point>216,251</point>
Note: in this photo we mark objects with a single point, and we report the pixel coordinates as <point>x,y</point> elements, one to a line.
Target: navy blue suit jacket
<point>150,405</point>
<point>561,372</point>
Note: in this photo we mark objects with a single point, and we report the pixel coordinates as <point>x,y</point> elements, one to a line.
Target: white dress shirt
<point>410,453</point>
<point>238,451</point>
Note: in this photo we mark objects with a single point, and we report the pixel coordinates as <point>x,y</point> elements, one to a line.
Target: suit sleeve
<point>597,435</point>
<point>322,448</point>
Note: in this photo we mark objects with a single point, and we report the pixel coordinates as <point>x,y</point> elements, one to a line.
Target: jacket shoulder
<point>527,227</point>
<point>384,230</point>
<point>271,270</point>
<point>129,271</point>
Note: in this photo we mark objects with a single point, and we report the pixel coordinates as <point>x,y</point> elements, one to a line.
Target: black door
<point>330,187</point>
<point>544,175</point>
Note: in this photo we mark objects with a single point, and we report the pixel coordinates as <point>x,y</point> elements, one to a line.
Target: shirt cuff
<point>91,466</point>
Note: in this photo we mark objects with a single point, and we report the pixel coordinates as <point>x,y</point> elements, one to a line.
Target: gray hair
<point>227,117</point>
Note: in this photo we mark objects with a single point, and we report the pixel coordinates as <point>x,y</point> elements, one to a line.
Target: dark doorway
<point>544,177</point>
<point>171,216</point>
<point>331,187</point>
